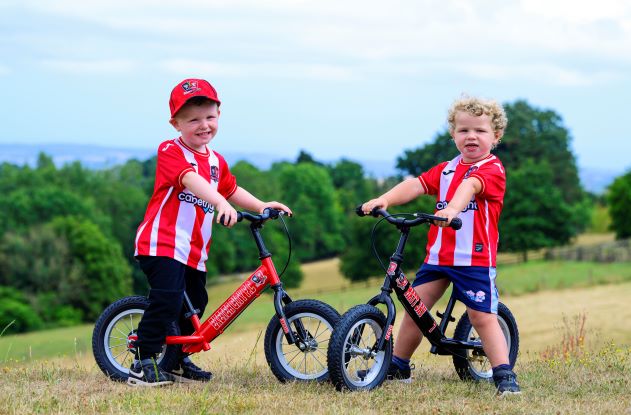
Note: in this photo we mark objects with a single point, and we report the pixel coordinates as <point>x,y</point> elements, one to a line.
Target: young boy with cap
<point>193,184</point>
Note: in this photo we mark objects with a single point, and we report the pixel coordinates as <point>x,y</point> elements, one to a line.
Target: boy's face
<point>197,123</point>
<point>474,136</point>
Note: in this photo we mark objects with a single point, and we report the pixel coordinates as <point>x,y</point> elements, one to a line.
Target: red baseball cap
<point>188,89</point>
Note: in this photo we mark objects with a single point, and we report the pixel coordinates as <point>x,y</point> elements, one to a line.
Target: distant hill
<point>98,157</point>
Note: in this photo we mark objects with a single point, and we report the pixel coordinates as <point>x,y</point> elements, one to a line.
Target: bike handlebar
<point>456,223</point>
<point>268,213</point>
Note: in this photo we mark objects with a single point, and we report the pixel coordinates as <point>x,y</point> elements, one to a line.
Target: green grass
<point>553,275</point>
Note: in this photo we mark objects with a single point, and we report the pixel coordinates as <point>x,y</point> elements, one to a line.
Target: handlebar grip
<point>455,224</point>
<point>359,211</point>
<point>239,217</point>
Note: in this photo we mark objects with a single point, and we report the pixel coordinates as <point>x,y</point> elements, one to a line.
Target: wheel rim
<point>308,362</point>
<point>479,365</point>
<point>361,364</point>
<point>117,337</point>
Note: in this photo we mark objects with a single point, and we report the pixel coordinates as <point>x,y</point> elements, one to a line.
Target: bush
<point>16,316</point>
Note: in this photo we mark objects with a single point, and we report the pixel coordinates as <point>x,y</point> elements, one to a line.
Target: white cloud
<point>340,40</point>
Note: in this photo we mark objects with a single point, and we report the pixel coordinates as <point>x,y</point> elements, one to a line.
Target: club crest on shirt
<point>470,171</point>
<point>214,173</point>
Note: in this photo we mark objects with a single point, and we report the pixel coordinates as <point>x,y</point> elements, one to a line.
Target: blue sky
<point>356,79</point>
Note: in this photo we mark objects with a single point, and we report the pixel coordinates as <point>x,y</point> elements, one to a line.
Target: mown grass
<point>594,383</point>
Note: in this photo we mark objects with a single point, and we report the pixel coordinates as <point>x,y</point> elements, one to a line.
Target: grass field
<point>54,372</point>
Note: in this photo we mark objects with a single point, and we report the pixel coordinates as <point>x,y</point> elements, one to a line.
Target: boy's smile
<point>474,136</point>
<point>198,124</point>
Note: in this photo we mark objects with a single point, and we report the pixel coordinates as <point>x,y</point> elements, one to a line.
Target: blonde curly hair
<point>478,106</point>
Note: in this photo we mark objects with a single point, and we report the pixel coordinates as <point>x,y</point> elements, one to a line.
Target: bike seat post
<point>192,312</point>
<point>445,318</point>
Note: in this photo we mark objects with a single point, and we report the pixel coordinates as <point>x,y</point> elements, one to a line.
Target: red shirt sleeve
<point>171,164</point>
<point>430,180</point>
<point>493,179</point>
<point>227,182</point>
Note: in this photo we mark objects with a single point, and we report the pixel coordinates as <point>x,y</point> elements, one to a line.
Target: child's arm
<point>462,197</point>
<point>401,193</point>
<point>200,188</point>
<point>248,201</point>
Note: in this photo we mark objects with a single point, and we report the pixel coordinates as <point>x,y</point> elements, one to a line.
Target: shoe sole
<point>182,379</point>
<point>141,383</point>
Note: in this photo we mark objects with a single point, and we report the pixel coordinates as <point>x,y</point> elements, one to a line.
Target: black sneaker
<point>401,375</point>
<point>506,382</point>
<point>187,371</point>
<point>147,372</point>
<point>394,373</point>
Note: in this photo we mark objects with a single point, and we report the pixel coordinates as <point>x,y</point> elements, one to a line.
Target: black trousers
<point>168,279</point>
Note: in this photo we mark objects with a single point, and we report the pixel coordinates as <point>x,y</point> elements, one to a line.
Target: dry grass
<point>596,384</point>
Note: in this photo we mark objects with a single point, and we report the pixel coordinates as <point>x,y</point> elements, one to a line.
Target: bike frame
<point>264,276</point>
<point>396,281</point>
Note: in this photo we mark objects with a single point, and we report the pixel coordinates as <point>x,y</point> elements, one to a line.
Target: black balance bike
<point>360,349</point>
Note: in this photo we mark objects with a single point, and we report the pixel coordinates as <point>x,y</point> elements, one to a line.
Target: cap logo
<point>190,87</point>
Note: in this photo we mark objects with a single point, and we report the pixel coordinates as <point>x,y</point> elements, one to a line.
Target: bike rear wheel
<point>305,361</point>
<point>474,365</point>
<point>114,332</point>
<point>354,363</point>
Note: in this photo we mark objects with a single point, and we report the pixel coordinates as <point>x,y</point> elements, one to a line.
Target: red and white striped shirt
<point>475,244</point>
<point>177,223</point>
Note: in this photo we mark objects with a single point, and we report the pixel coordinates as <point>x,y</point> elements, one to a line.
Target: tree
<point>535,214</point>
<point>317,227</point>
<point>619,199</point>
<point>106,275</point>
<point>350,183</point>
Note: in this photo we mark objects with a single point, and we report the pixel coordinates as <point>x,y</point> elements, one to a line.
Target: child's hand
<point>449,213</point>
<point>369,206</point>
<point>277,206</point>
<point>226,211</point>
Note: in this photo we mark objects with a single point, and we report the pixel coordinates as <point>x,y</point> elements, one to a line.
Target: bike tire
<point>476,367</point>
<point>111,333</point>
<point>353,338</point>
<point>289,362</point>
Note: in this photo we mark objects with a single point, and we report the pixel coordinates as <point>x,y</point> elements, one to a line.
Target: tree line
<point>67,233</point>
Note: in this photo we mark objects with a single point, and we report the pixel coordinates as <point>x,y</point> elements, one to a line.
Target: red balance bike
<point>296,339</point>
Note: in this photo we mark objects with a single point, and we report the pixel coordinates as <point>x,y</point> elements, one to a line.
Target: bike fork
<point>281,298</point>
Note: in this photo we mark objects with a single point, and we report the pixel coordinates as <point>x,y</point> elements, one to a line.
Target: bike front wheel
<point>354,361</point>
<point>473,365</point>
<point>305,360</point>
<point>113,335</point>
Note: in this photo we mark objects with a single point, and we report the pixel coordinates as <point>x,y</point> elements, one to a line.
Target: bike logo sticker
<point>389,332</point>
<point>402,282</point>
<point>259,278</point>
<point>283,323</point>
<point>392,268</point>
